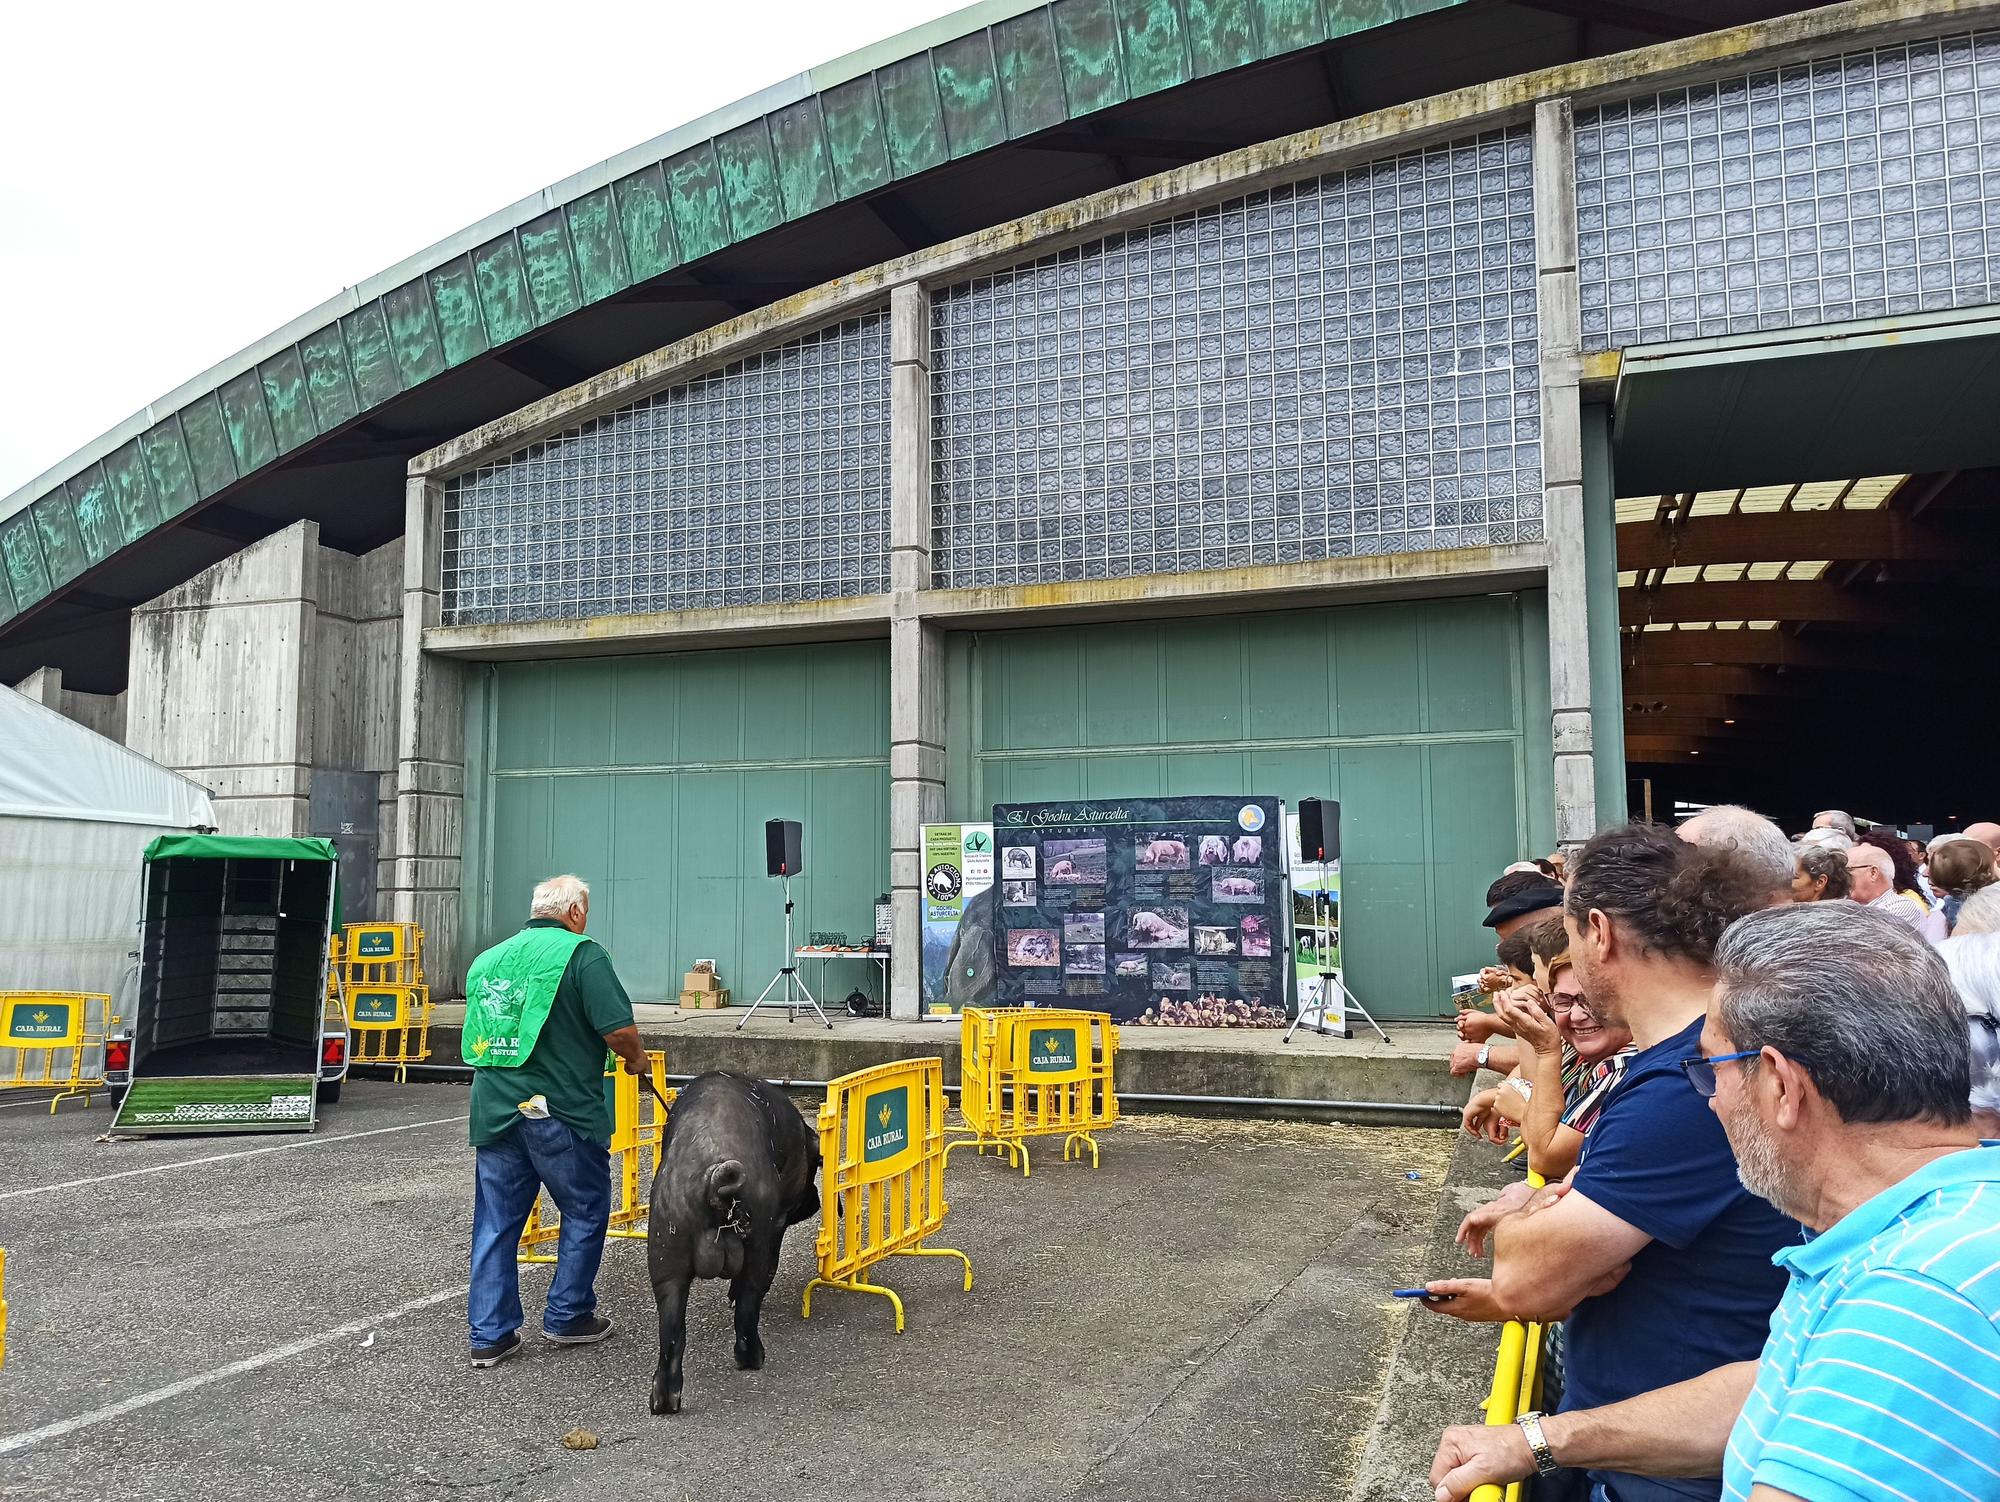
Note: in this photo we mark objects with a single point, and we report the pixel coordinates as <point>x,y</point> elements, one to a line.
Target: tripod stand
<point>1328,979</point>
<point>788,976</point>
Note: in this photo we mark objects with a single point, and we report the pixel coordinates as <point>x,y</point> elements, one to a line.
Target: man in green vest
<point>540,1009</point>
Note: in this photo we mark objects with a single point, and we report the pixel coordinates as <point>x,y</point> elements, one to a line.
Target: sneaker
<point>499,1351</point>
<point>584,1333</point>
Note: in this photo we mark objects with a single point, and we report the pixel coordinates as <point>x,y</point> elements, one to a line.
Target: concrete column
<point>1607,677</point>
<point>220,682</point>
<point>44,686</point>
<point>430,752</point>
<point>916,648</point>
<point>1559,319</point>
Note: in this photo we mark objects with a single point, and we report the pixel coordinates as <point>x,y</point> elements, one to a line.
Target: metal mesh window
<point>1860,186</point>
<point>766,481</point>
<point>1339,367</point>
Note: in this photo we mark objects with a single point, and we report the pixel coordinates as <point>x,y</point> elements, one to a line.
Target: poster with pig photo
<point>1160,911</point>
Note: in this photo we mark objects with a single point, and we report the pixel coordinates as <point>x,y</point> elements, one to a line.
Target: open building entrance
<point>1807,527</point>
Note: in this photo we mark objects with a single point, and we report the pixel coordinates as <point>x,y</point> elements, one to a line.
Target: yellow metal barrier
<point>1033,1072</point>
<point>1517,1386</point>
<point>54,1040</point>
<point>881,1138</point>
<point>378,969</point>
<point>638,1127</point>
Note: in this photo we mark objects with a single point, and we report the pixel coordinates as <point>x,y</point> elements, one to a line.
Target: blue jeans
<point>508,1175</point>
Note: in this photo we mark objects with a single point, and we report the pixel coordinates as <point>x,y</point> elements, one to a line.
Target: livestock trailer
<point>232,1028</point>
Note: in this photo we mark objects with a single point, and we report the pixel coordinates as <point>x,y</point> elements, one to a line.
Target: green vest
<point>508,993</point>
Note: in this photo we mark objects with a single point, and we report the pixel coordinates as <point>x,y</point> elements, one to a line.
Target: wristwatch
<point>1538,1445</point>
<point>1485,1053</point>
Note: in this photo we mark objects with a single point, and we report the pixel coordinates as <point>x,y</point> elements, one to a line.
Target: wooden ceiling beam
<point>1644,649</point>
<point>1756,600</point>
<point>1779,536</point>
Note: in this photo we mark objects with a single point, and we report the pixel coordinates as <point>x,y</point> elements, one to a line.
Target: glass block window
<point>1859,186</point>
<point>1338,367</point>
<point>766,481</point>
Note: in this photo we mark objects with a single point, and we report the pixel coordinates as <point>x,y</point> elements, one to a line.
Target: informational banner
<point>958,915</point>
<point>1160,911</point>
<point>1316,937</point>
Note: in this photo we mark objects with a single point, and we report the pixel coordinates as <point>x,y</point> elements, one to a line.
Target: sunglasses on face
<point>1700,1072</point>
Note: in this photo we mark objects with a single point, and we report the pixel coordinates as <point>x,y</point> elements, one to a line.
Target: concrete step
<point>1225,1071</point>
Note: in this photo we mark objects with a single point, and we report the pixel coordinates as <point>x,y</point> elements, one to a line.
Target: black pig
<point>738,1167</point>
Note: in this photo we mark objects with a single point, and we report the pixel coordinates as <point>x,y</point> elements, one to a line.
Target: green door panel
<point>651,778</point>
<point>1428,720</point>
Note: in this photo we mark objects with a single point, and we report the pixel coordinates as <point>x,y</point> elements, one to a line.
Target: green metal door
<point>651,778</point>
<point>1428,721</point>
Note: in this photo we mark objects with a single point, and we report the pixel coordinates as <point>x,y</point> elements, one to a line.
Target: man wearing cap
<point>1516,900</point>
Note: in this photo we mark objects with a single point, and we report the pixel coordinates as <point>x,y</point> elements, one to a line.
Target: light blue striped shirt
<point>1881,1378</point>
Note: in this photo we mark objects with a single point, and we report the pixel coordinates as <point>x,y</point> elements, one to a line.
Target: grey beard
<point>1758,1166</point>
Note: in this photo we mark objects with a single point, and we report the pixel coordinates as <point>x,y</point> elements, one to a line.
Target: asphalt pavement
<point>1205,1316</point>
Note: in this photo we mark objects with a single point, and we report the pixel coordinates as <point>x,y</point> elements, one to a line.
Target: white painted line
<point>11,1104</point>
<point>118,1410</point>
<point>248,1152</point>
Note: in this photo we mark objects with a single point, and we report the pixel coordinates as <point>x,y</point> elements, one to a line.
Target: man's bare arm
<point>625,1043</point>
<point>1671,1431</point>
<point>1558,1251</point>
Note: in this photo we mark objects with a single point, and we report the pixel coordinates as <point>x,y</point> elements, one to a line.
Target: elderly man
<point>1729,826</point>
<point>1871,881</point>
<point>1835,1056</point>
<point>540,1009</point>
<point>1661,1254</point>
<point>1835,819</point>
<point>1987,835</point>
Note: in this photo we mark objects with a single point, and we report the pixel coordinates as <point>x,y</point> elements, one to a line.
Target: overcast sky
<point>177,181</point>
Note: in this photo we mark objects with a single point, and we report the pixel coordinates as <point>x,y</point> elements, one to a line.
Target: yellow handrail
<point>1517,1379</point>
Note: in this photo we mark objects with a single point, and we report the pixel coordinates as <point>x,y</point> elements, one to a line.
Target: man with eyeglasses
<point>1871,881</point>
<point>1836,1058</point>
<point>1657,1256</point>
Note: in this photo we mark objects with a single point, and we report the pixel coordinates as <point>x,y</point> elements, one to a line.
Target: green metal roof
<point>989,74</point>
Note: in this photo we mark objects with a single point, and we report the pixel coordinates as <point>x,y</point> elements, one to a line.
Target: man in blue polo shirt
<point>1655,1252</point>
<point>1837,1057</point>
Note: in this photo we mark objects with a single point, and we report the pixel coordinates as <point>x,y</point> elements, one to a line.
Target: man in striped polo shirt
<point>1836,1055</point>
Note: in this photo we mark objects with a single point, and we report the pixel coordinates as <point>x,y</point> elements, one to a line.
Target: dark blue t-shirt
<point>1700,1294</point>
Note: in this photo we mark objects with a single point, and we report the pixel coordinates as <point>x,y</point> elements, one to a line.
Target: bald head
<point>1987,835</point>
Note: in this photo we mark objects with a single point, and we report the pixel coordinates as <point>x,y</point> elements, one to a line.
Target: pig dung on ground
<point>739,1166</point>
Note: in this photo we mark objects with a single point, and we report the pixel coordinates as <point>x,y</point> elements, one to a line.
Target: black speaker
<point>1319,830</point>
<point>782,853</point>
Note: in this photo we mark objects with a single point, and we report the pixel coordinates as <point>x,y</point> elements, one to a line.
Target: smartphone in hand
<point>1420,1293</point>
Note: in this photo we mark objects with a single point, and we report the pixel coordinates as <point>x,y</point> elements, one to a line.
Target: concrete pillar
<point>916,648</point>
<point>1607,685</point>
<point>44,686</point>
<point>430,752</point>
<point>220,682</point>
<point>1559,319</point>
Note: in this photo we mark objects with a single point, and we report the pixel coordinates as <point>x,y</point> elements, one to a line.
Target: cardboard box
<point>705,999</point>
<point>699,980</point>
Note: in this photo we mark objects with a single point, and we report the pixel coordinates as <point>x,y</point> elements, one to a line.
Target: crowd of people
<point>1756,1074</point>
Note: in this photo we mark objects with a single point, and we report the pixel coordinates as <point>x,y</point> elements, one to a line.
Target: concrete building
<point>1091,400</point>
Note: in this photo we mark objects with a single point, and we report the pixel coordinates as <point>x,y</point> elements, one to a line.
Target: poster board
<point>1315,937</point>
<point>1162,912</point>
<point>958,880</point>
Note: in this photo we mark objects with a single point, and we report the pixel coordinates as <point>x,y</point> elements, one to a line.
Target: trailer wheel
<point>329,1091</point>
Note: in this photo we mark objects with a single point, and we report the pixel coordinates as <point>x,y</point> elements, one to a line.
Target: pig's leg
<point>671,1296</point>
<point>760,1266</point>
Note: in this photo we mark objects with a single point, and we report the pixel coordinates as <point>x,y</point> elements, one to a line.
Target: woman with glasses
<point>1571,1059</point>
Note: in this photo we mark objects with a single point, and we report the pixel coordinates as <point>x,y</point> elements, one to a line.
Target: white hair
<point>1876,856</point>
<point>556,896</point>
<point>1974,962</point>
<point>1761,844</point>
<point>1836,818</point>
<point>1980,913</point>
<point>1826,839</point>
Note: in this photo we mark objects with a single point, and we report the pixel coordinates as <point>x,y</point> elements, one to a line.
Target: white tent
<point>76,814</point>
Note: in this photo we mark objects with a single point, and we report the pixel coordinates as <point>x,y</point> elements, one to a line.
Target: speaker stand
<point>789,978</point>
<point>1328,978</point>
